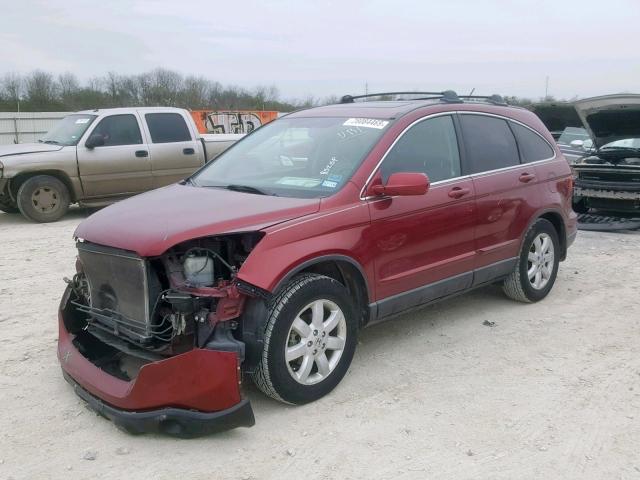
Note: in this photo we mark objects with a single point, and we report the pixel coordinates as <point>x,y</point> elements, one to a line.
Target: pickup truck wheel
<point>309,340</point>
<point>537,266</point>
<point>43,199</point>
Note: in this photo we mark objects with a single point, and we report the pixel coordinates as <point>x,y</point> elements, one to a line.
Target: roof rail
<point>448,96</point>
<point>495,99</point>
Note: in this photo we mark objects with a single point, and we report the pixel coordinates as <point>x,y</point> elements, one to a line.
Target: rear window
<point>532,146</point>
<point>167,128</point>
<point>489,143</point>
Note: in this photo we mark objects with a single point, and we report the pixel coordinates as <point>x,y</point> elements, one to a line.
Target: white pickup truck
<point>96,157</point>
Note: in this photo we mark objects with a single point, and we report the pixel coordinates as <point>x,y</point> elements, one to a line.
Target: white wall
<point>26,127</point>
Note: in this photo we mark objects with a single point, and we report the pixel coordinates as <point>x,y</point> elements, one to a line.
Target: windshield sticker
<point>350,132</point>
<point>366,123</point>
<point>299,182</point>
<point>329,184</point>
<point>327,169</point>
<point>82,121</point>
<point>334,178</point>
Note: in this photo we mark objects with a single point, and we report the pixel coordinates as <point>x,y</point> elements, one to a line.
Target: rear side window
<point>429,147</point>
<point>489,143</point>
<point>167,128</point>
<point>119,130</point>
<point>532,146</point>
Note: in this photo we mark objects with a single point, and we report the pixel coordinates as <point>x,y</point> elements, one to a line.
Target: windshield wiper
<point>245,188</point>
<point>51,142</point>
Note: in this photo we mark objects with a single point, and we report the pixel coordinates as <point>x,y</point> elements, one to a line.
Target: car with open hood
<point>608,174</point>
<point>268,261</point>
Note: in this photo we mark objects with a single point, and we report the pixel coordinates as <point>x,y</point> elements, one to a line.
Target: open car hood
<point>556,116</point>
<point>610,117</point>
<point>152,222</point>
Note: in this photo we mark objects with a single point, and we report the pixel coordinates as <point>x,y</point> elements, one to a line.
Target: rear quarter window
<point>167,128</point>
<point>489,143</point>
<point>532,146</point>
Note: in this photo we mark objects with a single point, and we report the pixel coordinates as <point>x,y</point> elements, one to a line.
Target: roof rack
<point>447,96</point>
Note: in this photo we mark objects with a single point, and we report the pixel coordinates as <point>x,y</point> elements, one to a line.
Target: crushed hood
<point>150,223</point>
<point>24,148</point>
<point>610,117</point>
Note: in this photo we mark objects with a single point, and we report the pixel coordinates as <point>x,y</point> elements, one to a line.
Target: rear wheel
<point>43,198</point>
<point>537,266</point>
<point>309,340</point>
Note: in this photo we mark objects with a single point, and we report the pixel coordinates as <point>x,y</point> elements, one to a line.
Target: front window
<point>295,157</point>
<point>69,130</point>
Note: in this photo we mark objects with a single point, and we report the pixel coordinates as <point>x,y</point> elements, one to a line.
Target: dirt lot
<point>551,390</point>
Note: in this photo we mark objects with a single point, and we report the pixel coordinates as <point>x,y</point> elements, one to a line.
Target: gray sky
<point>322,48</point>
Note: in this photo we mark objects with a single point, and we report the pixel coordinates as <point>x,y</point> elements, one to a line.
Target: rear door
<point>175,151</point>
<point>121,166</point>
<point>423,245</point>
<point>506,191</point>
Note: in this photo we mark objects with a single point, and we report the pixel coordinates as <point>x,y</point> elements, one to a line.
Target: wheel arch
<point>341,268</point>
<point>18,180</point>
<point>557,220</point>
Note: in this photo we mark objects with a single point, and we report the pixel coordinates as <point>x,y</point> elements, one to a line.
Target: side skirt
<point>434,292</point>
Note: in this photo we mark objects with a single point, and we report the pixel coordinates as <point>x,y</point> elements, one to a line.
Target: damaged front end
<point>154,343</point>
<point>608,181</point>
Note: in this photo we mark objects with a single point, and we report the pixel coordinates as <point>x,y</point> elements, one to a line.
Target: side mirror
<point>577,143</point>
<point>94,140</point>
<point>403,184</point>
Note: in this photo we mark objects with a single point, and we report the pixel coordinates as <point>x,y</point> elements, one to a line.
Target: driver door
<point>119,167</point>
<point>423,244</point>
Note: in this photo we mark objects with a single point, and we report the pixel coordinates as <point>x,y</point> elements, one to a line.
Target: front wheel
<point>537,266</point>
<point>309,340</point>
<point>43,198</point>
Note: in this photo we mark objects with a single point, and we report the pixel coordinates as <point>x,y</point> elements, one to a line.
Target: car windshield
<point>570,134</point>
<point>295,157</point>
<point>633,143</point>
<point>69,130</point>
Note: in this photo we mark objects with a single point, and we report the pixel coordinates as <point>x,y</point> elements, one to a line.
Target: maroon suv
<point>269,260</point>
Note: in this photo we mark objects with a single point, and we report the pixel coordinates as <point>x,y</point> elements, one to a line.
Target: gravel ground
<point>475,387</point>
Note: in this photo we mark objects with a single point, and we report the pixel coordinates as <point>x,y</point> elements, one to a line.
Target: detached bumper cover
<point>193,393</point>
<point>172,421</point>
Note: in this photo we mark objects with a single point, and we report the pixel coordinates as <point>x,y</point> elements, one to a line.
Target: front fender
<point>285,250</point>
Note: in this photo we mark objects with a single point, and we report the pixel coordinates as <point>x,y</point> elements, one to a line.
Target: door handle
<point>188,151</point>
<point>142,153</point>
<point>526,177</point>
<point>458,192</point>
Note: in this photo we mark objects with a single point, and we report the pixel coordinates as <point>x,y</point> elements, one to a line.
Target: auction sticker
<point>82,121</point>
<point>366,123</point>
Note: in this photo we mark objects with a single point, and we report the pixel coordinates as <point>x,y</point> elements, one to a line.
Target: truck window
<point>167,128</point>
<point>119,130</point>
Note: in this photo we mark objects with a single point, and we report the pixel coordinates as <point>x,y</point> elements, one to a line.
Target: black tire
<point>517,285</point>
<point>55,192</point>
<point>580,206</point>
<point>273,374</point>
<point>8,207</point>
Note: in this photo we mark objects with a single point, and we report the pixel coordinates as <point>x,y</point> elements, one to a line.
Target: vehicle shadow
<point>74,213</point>
<point>430,321</point>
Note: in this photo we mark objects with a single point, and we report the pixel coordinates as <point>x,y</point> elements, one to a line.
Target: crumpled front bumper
<point>190,394</point>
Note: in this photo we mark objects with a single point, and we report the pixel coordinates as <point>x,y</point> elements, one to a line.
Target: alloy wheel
<point>315,342</point>
<point>540,261</point>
